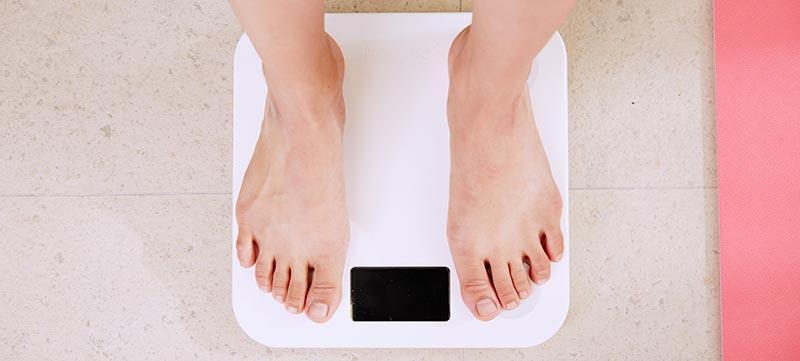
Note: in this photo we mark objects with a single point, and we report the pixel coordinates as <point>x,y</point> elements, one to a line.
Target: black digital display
<point>420,294</point>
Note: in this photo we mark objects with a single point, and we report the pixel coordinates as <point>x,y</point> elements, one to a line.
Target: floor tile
<point>641,94</point>
<point>118,278</point>
<point>116,97</point>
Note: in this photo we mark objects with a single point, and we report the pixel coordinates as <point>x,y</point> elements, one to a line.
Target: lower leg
<point>290,38</point>
<point>505,209</point>
<point>506,35</point>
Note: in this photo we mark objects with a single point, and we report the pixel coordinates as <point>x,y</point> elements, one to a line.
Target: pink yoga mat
<point>758,138</point>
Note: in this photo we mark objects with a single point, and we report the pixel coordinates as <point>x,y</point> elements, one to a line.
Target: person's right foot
<point>291,212</point>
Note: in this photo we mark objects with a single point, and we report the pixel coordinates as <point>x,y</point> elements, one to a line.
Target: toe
<point>265,267</point>
<point>553,243</point>
<point>476,289</point>
<point>520,277</point>
<point>245,251</point>
<point>280,282</point>
<point>298,285</point>
<point>325,292</point>
<point>540,265</point>
<point>503,285</point>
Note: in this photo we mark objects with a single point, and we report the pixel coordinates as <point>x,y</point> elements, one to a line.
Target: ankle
<point>488,105</point>
<point>306,92</point>
<point>321,112</point>
<point>477,72</point>
<point>318,76</point>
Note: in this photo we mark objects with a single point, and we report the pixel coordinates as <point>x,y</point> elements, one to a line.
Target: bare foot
<point>505,208</point>
<point>291,211</point>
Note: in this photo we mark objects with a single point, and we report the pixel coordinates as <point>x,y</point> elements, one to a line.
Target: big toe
<point>325,293</point>
<point>476,289</point>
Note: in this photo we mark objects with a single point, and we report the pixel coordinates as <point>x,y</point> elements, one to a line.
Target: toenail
<point>263,288</point>
<point>292,309</point>
<point>318,310</point>
<point>485,307</point>
<point>279,298</point>
<point>541,281</point>
<point>511,305</point>
<point>558,258</point>
<point>523,294</point>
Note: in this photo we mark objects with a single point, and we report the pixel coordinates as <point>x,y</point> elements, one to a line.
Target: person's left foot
<point>505,208</point>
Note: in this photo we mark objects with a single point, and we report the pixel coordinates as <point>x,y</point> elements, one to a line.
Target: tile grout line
<point>181,194</point>
<point>100,195</point>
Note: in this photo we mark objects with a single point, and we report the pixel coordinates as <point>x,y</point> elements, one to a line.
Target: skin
<point>291,210</point>
<point>504,206</point>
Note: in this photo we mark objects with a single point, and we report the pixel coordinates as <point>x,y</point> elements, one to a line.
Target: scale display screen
<point>400,294</point>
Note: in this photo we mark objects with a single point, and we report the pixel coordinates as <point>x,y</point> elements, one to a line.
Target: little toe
<point>520,277</point>
<point>504,285</point>
<point>265,267</point>
<point>540,265</point>
<point>476,289</point>
<point>245,251</point>
<point>280,282</point>
<point>298,285</point>
<point>553,243</point>
<point>325,292</point>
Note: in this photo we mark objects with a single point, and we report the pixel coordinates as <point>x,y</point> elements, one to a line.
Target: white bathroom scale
<point>397,173</point>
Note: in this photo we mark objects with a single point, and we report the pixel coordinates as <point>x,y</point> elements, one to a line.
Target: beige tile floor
<point>115,139</point>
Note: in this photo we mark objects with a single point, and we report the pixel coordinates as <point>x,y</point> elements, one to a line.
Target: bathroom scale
<point>400,288</point>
